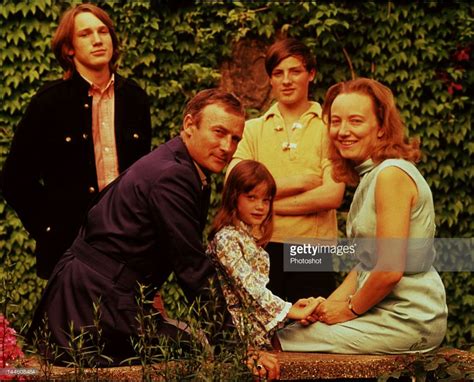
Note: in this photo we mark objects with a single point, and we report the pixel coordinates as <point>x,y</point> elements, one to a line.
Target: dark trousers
<point>81,278</point>
<point>292,286</point>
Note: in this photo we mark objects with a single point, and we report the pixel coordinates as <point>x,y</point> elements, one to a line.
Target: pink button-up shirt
<point>103,133</point>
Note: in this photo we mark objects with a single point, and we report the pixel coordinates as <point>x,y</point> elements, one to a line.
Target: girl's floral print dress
<point>243,269</point>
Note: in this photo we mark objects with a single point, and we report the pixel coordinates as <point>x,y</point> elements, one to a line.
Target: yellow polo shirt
<point>298,149</point>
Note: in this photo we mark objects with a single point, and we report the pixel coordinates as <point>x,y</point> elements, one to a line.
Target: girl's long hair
<point>243,178</point>
<point>394,142</point>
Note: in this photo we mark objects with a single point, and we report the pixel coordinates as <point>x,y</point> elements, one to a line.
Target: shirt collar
<point>313,111</point>
<point>94,88</point>
<point>202,175</point>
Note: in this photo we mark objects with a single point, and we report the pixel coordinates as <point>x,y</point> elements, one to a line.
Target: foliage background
<point>172,48</point>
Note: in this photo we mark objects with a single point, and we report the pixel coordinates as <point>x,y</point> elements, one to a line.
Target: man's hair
<point>243,178</point>
<point>392,144</point>
<point>62,40</point>
<point>229,101</point>
<point>286,48</point>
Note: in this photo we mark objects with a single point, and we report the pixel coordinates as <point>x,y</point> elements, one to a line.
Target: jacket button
<point>91,190</point>
<point>68,139</point>
<point>136,136</point>
<point>84,136</point>
<point>86,106</point>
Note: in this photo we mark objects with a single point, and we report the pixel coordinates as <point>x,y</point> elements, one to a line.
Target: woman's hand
<point>311,319</point>
<point>332,312</point>
<point>264,365</point>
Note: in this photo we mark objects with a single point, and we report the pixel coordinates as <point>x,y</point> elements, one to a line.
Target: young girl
<point>242,226</point>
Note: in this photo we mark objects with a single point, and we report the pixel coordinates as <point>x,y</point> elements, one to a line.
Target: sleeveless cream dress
<point>413,317</point>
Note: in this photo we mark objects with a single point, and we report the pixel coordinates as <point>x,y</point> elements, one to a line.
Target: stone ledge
<point>301,366</point>
<point>294,366</point>
<point>157,372</point>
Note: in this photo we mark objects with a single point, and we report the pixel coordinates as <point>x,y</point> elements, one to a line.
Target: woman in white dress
<point>394,300</point>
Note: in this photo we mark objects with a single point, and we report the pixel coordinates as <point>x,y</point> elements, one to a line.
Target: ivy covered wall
<point>173,48</point>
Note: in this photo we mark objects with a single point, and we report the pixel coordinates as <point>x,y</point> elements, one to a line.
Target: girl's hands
<point>305,307</point>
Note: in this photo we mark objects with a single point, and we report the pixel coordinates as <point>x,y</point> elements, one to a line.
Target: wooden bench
<point>304,366</point>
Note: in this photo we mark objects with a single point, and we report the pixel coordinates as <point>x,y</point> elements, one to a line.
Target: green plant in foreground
<point>143,344</point>
<point>77,351</point>
<point>202,351</point>
<point>45,350</point>
<point>434,367</point>
<point>205,351</point>
<point>85,353</point>
<point>97,358</point>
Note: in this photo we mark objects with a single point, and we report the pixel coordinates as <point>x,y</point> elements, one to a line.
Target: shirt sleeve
<point>249,283</point>
<point>247,148</point>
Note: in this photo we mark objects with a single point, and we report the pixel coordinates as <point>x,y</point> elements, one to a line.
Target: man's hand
<point>264,365</point>
<point>159,305</point>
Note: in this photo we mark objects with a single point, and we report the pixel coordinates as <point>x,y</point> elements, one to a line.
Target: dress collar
<point>251,231</point>
<point>365,167</point>
<point>245,227</point>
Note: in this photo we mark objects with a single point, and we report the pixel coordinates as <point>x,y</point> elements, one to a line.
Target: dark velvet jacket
<point>49,177</point>
<point>150,220</point>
